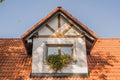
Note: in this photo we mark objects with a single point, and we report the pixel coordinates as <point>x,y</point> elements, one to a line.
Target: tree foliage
<point>57,61</point>
<point>1,1</point>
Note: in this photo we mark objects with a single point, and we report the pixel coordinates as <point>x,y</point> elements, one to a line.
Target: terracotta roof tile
<point>106,54</point>
<point>103,63</point>
<point>11,45</point>
<point>13,58</point>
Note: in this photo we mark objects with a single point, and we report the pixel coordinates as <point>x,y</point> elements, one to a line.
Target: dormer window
<point>60,49</point>
<point>59,33</point>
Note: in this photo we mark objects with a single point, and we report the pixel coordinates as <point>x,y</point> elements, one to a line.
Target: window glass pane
<point>52,50</point>
<point>66,50</point>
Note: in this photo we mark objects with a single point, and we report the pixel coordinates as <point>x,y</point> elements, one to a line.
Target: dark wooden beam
<point>59,45</point>
<point>44,36</point>
<point>59,24</point>
<point>73,36</point>
<point>65,36</point>
<point>66,20</point>
<point>50,28</point>
<point>59,50</point>
<point>72,55</point>
<point>59,21</point>
<point>76,28</point>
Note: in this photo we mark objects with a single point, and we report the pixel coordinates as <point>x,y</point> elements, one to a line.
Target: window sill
<point>40,75</point>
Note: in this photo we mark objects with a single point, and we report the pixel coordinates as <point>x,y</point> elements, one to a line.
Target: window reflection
<point>59,49</point>
<point>52,50</point>
<point>66,50</point>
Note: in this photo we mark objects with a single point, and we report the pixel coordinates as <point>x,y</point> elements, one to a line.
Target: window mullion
<point>59,50</point>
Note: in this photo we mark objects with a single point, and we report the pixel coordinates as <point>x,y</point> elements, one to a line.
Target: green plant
<point>58,61</point>
<point>1,1</point>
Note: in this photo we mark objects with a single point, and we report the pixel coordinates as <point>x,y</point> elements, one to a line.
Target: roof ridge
<point>59,7</point>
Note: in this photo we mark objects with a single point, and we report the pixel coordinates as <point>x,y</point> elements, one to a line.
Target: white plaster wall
<point>39,50</point>
<point>72,32</point>
<point>64,24</point>
<point>54,23</point>
<point>44,31</point>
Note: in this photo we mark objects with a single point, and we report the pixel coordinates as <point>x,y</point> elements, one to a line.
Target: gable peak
<point>54,12</point>
<point>59,7</point>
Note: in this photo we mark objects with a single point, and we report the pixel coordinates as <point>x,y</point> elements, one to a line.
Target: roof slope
<point>11,45</point>
<point>103,63</point>
<point>13,59</point>
<point>51,14</point>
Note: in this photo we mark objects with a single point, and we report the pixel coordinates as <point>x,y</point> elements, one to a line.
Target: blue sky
<point>101,16</point>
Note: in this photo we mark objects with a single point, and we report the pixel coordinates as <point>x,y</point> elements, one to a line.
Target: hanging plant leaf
<point>57,61</point>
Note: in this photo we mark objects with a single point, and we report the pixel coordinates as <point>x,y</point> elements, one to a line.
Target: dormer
<point>59,32</point>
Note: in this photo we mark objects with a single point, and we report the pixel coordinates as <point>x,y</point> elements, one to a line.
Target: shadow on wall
<point>99,65</point>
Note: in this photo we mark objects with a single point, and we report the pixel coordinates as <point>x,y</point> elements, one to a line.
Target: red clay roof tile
<point>103,62</point>
<point>11,45</point>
